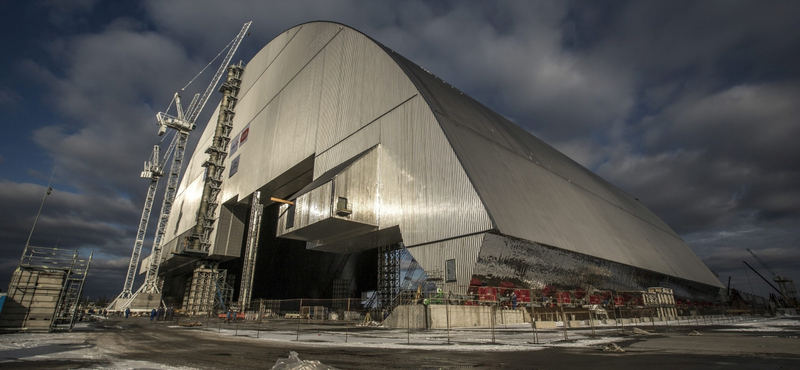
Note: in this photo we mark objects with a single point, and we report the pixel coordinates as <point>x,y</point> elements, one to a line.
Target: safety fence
<point>468,314</point>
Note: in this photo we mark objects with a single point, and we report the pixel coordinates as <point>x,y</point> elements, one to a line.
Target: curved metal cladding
<point>325,109</point>
<point>536,193</point>
<point>325,92</point>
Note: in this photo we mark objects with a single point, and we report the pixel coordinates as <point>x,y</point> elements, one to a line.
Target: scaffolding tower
<point>45,290</point>
<point>388,274</point>
<point>251,250</point>
<point>210,290</point>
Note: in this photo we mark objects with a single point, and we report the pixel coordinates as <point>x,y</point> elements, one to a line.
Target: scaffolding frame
<point>388,275</point>
<point>251,250</point>
<point>208,291</point>
<point>46,279</point>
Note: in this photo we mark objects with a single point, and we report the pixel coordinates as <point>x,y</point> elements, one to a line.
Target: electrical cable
<point>209,64</point>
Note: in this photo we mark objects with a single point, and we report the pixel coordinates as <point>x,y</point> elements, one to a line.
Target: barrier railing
<point>468,314</point>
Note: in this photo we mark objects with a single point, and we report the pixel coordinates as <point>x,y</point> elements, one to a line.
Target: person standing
<point>153,314</point>
<point>127,312</point>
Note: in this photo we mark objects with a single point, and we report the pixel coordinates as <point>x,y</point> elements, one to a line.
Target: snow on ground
<point>510,338</point>
<point>778,324</point>
<point>519,337</point>
<point>31,347</point>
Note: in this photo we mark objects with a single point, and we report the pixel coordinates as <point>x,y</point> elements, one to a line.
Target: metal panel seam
<point>274,59</point>
<point>449,138</point>
<point>365,126</point>
<point>450,238</point>
<point>293,77</point>
<point>670,233</point>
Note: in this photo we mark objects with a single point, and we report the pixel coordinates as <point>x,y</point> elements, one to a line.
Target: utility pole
<point>36,220</point>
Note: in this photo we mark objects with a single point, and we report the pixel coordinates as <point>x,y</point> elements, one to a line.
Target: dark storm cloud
<point>689,106</point>
<point>105,92</point>
<point>68,220</point>
<point>106,95</point>
<point>775,242</point>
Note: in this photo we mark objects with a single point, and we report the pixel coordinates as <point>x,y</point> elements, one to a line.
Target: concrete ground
<point>137,343</point>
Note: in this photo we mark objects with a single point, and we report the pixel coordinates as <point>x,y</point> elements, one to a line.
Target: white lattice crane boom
<point>153,171</point>
<point>785,284</point>
<point>183,124</point>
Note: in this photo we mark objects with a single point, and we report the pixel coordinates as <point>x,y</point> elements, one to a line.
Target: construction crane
<point>183,124</point>
<point>153,169</point>
<point>785,285</point>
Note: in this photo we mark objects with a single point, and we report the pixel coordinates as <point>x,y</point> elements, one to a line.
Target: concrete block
<point>624,321</point>
<point>644,319</point>
<point>575,324</point>
<point>609,322</point>
<point>544,324</point>
<point>409,315</point>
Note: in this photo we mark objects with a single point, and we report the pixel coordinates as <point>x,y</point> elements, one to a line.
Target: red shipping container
<point>523,295</point>
<point>564,297</point>
<point>595,299</point>
<point>618,301</point>
<point>487,293</point>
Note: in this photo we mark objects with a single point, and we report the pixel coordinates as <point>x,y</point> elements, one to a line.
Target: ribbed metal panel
<point>360,141</point>
<point>186,204</point>
<point>423,188</point>
<point>265,57</point>
<point>281,115</point>
<point>361,83</point>
<point>446,165</point>
<point>358,184</point>
<point>264,80</point>
<point>464,250</point>
<point>536,193</point>
<point>282,110</point>
<point>230,232</point>
<point>570,217</point>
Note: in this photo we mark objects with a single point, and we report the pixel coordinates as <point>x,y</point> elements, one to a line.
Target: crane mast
<point>785,285</point>
<point>183,124</point>
<point>151,282</point>
<point>152,170</point>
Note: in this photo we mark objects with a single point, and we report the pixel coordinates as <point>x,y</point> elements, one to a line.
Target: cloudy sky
<point>691,107</point>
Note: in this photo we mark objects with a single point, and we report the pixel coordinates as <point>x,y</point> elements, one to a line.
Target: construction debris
<point>613,347</point>
<point>694,332</point>
<point>640,331</point>
<point>295,363</point>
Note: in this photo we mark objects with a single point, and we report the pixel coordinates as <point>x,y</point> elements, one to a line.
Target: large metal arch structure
<point>374,150</point>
